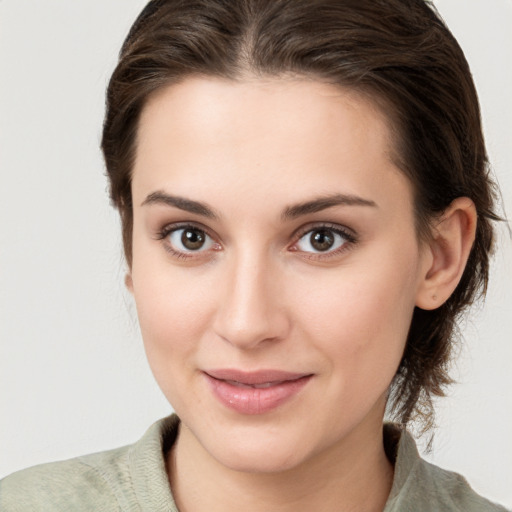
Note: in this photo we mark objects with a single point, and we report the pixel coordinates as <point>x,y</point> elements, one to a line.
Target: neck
<point>355,475</point>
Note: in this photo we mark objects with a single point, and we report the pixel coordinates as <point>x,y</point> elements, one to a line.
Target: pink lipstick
<point>254,392</point>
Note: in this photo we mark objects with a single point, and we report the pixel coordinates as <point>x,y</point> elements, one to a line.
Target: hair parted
<point>397,52</point>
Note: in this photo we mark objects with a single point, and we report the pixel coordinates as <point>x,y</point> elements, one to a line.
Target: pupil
<point>192,239</point>
<point>322,240</point>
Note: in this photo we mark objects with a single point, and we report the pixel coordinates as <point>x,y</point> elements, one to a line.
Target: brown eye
<point>193,239</point>
<point>321,240</point>
<point>189,239</point>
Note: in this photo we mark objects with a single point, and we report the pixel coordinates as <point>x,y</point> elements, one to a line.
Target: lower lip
<point>248,400</point>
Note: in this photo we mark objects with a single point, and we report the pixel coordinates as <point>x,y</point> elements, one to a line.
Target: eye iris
<point>193,239</point>
<point>322,240</point>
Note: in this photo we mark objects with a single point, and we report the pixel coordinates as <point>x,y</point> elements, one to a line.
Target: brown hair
<point>397,51</point>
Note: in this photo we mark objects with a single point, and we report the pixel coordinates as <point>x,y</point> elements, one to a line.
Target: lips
<point>255,392</point>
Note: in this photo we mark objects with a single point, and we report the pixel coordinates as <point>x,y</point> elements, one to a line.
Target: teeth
<point>253,386</point>
<point>237,384</point>
<point>265,385</point>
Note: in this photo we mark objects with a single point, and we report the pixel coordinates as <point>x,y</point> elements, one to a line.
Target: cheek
<point>361,335</point>
<point>361,314</point>
<point>172,318</point>
<point>173,310</point>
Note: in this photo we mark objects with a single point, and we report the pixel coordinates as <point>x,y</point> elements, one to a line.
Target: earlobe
<point>128,281</point>
<point>449,248</point>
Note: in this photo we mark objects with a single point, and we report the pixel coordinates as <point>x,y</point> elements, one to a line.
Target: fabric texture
<point>133,479</point>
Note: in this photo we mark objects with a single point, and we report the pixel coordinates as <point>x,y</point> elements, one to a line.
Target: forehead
<point>207,106</point>
<point>262,135</point>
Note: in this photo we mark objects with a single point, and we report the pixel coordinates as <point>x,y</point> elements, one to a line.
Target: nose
<point>250,310</point>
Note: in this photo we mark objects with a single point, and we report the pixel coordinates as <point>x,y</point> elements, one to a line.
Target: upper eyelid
<point>164,232</point>
<point>350,236</point>
<point>175,226</point>
<point>303,230</point>
<point>345,231</point>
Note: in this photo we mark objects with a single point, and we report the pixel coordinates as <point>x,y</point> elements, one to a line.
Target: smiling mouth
<point>255,392</point>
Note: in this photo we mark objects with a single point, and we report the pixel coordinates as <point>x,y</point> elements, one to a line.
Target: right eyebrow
<point>182,203</point>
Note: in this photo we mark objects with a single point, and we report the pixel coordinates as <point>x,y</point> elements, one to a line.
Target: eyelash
<point>348,235</point>
<point>350,240</point>
<point>164,233</point>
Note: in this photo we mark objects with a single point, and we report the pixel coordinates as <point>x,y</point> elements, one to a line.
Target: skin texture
<point>257,295</point>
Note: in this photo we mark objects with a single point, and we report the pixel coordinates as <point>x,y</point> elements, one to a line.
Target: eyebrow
<point>290,213</point>
<point>182,203</point>
<point>322,203</point>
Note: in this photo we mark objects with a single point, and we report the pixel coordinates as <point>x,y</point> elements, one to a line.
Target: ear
<point>128,281</point>
<point>447,253</point>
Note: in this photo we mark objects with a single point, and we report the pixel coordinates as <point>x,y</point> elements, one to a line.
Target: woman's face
<point>275,266</point>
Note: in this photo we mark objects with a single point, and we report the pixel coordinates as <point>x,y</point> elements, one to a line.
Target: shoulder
<point>120,479</point>
<point>419,485</point>
<point>450,491</point>
<point>84,483</point>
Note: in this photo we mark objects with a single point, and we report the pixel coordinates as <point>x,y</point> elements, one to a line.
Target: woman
<point>306,208</point>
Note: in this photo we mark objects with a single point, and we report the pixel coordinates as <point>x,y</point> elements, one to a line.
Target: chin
<point>263,461</point>
<point>256,448</point>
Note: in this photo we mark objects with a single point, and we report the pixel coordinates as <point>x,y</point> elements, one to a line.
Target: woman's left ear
<point>447,253</point>
<point>128,281</point>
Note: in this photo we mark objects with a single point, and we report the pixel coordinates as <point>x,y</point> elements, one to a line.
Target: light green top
<point>133,479</point>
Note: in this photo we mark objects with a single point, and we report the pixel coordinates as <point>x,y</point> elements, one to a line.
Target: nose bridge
<point>250,312</point>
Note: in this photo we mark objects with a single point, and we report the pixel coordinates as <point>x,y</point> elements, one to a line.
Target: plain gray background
<point>73,375</point>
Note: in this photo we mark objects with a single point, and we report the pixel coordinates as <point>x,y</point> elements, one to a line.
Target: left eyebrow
<point>322,203</point>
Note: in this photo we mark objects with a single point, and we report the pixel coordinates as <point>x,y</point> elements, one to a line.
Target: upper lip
<point>254,377</point>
